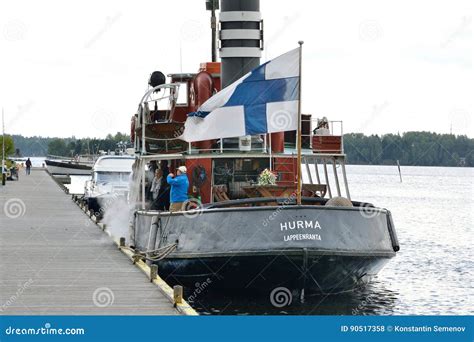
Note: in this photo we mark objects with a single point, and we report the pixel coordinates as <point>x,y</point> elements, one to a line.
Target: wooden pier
<point>54,260</point>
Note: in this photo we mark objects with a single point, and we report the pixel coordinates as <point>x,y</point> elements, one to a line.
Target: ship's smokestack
<point>241,36</point>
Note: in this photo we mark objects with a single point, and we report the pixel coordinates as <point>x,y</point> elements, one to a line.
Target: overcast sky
<point>80,67</point>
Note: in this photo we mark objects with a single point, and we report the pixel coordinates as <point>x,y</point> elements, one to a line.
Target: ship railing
<point>52,156</point>
<point>168,97</point>
<point>335,126</point>
<point>79,158</point>
<point>170,94</point>
<point>316,172</point>
<point>190,149</point>
<point>331,141</point>
<point>222,150</point>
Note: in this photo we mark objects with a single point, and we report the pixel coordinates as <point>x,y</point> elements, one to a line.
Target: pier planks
<point>55,261</point>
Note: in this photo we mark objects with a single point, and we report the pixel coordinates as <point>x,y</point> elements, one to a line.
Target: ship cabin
<point>227,172</point>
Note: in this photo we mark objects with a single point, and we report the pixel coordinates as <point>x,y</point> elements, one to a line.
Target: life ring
<point>199,176</point>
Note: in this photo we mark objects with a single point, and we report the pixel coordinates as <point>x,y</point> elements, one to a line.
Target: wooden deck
<point>55,261</point>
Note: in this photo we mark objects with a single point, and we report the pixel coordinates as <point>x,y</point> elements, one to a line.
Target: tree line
<point>411,148</point>
<point>67,147</point>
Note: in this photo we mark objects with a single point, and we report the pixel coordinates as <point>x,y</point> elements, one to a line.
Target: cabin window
<point>237,173</point>
<point>182,94</point>
<point>111,177</point>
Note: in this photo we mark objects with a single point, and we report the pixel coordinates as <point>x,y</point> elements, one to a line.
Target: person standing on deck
<point>28,166</point>
<point>322,127</point>
<point>179,188</point>
<point>164,194</point>
<point>156,184</point>
<point>155,188</point>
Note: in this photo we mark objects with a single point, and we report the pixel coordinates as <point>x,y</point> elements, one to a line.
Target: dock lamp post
<point>4,176</point>
<point>213,5</point>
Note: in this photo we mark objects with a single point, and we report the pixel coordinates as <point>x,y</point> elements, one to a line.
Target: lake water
<point>431,275</point>
<point>433,272</point>
<point>77,182</point>
<point>37,161</point>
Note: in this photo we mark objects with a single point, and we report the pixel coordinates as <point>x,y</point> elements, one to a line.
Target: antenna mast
<point>213,5</point>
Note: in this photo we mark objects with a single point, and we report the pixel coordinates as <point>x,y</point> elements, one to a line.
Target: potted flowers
<point>266,177</point>
<point>267,186</point>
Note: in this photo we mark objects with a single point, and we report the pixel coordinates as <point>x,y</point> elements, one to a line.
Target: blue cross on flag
<point>263,101</point>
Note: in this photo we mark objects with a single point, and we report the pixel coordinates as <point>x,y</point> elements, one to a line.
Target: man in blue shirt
<point>179,189</point>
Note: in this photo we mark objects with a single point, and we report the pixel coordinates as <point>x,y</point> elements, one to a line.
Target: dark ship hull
<point>325,274</point>
<point>68,168</point>
<point>316,248</point>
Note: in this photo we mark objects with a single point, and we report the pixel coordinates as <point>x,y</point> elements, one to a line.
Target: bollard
<point>153,272</point>
<point>122,242</point>
<point>136,258</point>
<point>4,178</point>
<point>178,294</point>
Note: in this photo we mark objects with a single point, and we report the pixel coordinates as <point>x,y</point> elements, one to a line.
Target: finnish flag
<point>263,101</point>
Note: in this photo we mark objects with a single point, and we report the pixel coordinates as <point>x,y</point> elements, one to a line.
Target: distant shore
<point>410,148</point>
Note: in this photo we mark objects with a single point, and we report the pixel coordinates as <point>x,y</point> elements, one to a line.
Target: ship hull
<point>325,274</point>
<point>316,248</point>
<point>99,204</point>
<point>67,168</point>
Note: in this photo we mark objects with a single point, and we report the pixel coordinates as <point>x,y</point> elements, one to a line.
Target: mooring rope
<point>156,254</point>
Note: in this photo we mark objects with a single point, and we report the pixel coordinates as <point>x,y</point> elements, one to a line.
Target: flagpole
<point>298,146</point>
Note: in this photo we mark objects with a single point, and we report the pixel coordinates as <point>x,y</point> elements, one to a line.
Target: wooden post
<point>178,294</point>
<point>136,258</point>
<point>153,272</point>
<point>399,171</point>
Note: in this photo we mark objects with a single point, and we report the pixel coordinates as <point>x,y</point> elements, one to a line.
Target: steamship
<point>309,236</point>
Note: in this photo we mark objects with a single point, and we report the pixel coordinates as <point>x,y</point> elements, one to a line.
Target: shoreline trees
<point>410,148</point>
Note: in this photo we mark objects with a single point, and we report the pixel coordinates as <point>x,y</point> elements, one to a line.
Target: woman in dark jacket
<point>162,201</point>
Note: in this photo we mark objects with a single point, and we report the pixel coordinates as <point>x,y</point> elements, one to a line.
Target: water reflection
<point>374,299</point>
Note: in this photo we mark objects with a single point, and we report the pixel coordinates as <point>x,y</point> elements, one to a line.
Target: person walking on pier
<point>28,166</point>
<point>179,188</point>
